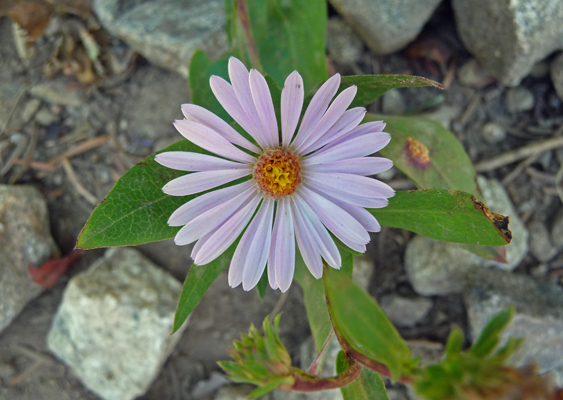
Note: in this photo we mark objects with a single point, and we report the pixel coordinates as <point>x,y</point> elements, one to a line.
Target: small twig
<point>317,364</point>
<point>12,111</point>
<point>18,151</point>
<point>558,181</point>
<point>540,176</point>
<point>27,156</point>
<point>32,353</point>
<point>278,306</point>
<point>76,183</point>
<point>37,165</point>
<point>26,373</point>
<point>509,157</point>
<point>250,44</point>
<point>470,110</point>
<point>518,170</point>
<point>79,149</point>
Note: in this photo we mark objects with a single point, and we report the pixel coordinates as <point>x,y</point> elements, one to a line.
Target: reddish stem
<point>305,382</point>
<point>250,44</point>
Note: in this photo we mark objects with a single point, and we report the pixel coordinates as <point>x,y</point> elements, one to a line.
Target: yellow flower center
<point>277,172</point>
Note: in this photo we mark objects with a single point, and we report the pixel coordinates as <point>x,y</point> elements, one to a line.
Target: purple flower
<point>302,185</point>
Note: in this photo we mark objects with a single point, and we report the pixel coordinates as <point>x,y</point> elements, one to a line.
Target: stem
<point>305,382</point>
<point>317,364</point>
<point>250,45</point>
<point>381,369</point>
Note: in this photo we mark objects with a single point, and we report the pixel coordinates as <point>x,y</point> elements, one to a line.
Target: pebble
<point>29,110</point>
<point>540,242</point>
<point>45,117</point>
<point>363,270</point>
<point>114,322</point>
<point>538,317</point>
<point>438,268</point>
<point>493,133</point>
<point>472,74</point>
<point>343,45</point>
<point>58,91</point>
<point>406,312</point>
<point>25,239</point>
<point>518,99</point>
<point>445,115</point>
<point>557,230</point>
<point>393,103</point>
<point>556,72</point>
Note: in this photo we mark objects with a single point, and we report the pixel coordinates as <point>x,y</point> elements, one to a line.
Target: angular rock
<point>113,325</point>
<point>538,318</point>
<point>25,239</point>
<point>405,312</point>
<point>343,45</point>
<point>386,25</point>
<point>438,268</point>
<point>167,32</point>
<point>556,72</point>
<point>509,36</point>
<point>540,242</point>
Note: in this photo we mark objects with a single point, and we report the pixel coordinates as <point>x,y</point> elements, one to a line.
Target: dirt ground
<point>135,113</point>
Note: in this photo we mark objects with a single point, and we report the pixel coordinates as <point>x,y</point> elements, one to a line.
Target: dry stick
<point>28,154</point>
<point>518,170</point>
<point>76,183</point>
<point>470,110</point>
<point>509,157</point>
<point>18,151</point>
<point>26,373</point>
<point>250,44</point>
<point>12,111</point>
<point>558,185</point>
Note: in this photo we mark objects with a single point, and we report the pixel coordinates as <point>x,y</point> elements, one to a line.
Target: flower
<point>302,186</point>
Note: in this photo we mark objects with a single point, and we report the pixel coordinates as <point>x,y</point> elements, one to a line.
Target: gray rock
<point>363,270</point>
<point>473,74</point>
<point>509,36</point>
<point>493,133</point>
<point>343,45</point>
<point>158,96</point>
<point>59,91</point>
<point>386,25</point>
<point>538,317</point>
<point>405,312</point>
<point>393,102</point>
<point>25,239</point>
<point>556,72</point>
<point>518,99</point>
<point>30,109</point>
<point>10,93</point>
<point>557,230</point>
<point>540,69</point>
<point>438,268</point>
<point>540,242</point>
<point>167,32</point>
<point>45,117</point>
<point>445,114</point>
<point>234,392</point>
<point>113,325</point>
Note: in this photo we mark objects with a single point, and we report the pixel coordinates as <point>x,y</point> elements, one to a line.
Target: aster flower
<point>302,185</point>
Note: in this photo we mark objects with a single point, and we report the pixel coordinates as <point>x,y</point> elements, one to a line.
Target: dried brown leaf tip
<point>499,221</point>
<point>416,153</point>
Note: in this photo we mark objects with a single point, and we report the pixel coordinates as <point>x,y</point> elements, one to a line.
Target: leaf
<point>367,386</point>
<point>362,323</point>
<point>198,280</point>
<point>289,36</point>
<point>447,215</point>
<point>262,285</point>
<point>136,210</point>
<point>201,69</point>
<point>370,87</point>
<point>428,153</point>
<point>490,335</point>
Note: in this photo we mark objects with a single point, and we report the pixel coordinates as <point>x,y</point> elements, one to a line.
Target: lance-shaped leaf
<point>367,386</point>
<point>447,215</point>
<point>359,320</point>
<point>370,87</point>
<point>289,36</point>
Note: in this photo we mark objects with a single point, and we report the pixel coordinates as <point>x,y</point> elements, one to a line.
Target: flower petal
<point>364,166</point>
<point>282,247</point>
<point>259,246</point>
<point>338,221</point>
<point>227,97</point>
<point>200,181</point>
<point>360,130</point>
<point>188,211</point>
<point>291,104</point>
<point>332,115</point>
<point>307,248</point>
<point>345,195</point>
<point>358,185</point>
<point>187,161</point>
<point>348,121</point>
<point>356,147</point>
<point>317,108</point>
<point>193,112</point>
<point>227,233</point>
<point>210,140</point>
<point>264,107</point>
<point>212,218</point>
<point>362,215</point>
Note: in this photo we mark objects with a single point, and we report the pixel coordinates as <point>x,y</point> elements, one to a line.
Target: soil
<point>136,114</point>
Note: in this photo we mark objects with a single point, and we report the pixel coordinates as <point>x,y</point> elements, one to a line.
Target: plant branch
<point>305,382</point>
<point>250,44</point>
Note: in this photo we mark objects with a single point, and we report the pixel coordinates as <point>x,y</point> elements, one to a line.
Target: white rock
<point>386,25</point>
<point>509,36</point>
<point>406,312</point>
<point>114,323</point>
<point>556,72</point>
<point>25,239</point>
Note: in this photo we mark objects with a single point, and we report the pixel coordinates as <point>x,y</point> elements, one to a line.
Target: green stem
<point>305,382</point>
<point>250,44</point>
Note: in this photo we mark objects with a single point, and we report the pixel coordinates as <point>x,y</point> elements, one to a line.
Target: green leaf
<point>447,165</point>
<point>367,386</point>
<point>262,285</point>
<point>136,210</point>
<point>198,280</point>
<point>370,87</point>
<point>445,215</point>
<point>362,323</point>
<point>455,342</point>
<point>201,69</point>
<point>490,335</point>
<point>289,35</point>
